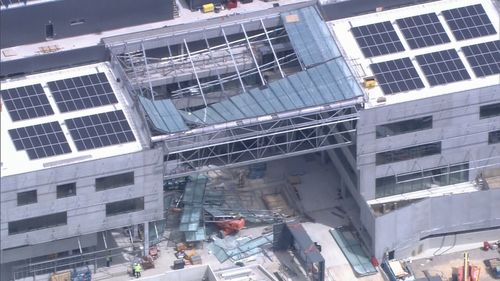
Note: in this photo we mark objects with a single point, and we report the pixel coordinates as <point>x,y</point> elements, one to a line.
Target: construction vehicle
<point>230,226</point>
<point>468,272</point>
<point>493,266</point>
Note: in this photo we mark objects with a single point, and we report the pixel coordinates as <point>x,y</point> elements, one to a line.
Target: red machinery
<point>231,226</point>
<point>468,272</point>
<point>231,4</point>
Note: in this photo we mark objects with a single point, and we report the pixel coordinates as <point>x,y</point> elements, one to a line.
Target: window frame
<point>494,137</point>
<point>25,193</point>
<point>404,127</point>
<point>489,110</point>
<point>114,181</point>
<point>30,224</point>
<point>408,153</point>
<point>59,194</point>
<point>137,208</point>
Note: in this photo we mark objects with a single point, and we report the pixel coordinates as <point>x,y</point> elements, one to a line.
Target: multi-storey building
<point>405,101</point>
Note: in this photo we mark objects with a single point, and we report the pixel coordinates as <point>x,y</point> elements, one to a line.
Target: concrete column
<point>146,238</point>
<point>135,231</point>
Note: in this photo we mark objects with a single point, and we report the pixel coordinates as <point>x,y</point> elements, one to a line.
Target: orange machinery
<point>231,226</point>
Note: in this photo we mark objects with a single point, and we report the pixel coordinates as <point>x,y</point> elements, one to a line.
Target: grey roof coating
<point>352,8</point>
<point>163,115</point>
<point>309,36</point>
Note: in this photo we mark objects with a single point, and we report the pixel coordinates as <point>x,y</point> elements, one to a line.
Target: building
<point>90,131</point>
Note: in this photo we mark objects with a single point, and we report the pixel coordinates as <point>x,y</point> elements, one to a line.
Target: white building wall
<point>87,210</point>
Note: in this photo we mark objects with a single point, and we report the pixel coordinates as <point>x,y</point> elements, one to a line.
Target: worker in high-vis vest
<point>137,270</point>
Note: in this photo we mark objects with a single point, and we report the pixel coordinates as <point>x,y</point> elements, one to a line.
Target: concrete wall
<point>456,124</point>
<point>26,24</point>
<point>464,138</point>
<point>401,230</point>
<point>86,211</point>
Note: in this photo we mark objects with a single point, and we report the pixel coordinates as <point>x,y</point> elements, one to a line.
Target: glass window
<point>66,190</point>
<point>408,153</point>
<point>494,137</point>
<point>403,127</point>
<point>125,206</point>
<point>41,222</point>
<point>114,181</point>
<point>26,197</point>
<point>490,110</point>
<point>425,179</point>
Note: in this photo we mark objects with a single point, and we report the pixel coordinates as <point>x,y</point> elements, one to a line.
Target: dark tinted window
<point>494,137</point>
<point>26,197</point>
<point>26,225</point>
<point>125,206</point>
<point>408,153</point>
<point>114,181</point>
<point>403,127</point>
<point>425,179</point>
<point>66,190</point>
<point>490,110</point>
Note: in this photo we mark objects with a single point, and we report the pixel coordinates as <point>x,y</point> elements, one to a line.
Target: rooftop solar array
<point>26,102</point>
<point>469,22</point>
<point>397,76</point>
<point>484,58</point>
<point>82,92</point>
<point>442,67</point>
<point>377,39</point>
<point>423,30</point>
<point>42,140</point>
<point>99,130</point>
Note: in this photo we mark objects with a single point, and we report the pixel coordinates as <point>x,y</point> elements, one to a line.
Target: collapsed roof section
<point>255,67</point>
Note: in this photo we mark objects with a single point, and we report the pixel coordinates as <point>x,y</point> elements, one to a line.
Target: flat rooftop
<point>186,16</point>
<point>363,66</point>
<point>36,148</point>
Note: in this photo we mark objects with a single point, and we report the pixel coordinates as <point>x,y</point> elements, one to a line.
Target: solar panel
<point>469,22</point>
<point>484,58</point>
<point>423,30</point>
<point>377,39</point>
<point>397,76</point>
<point>442,67</point>
<point>42,140</point>
<point>100,130</point>
<point>82,92</point>
<point>26,102</point>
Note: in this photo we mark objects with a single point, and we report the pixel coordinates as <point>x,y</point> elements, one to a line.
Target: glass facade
<point>114,181</point>
<point>490,110</point>
<point>425,179</point>
<point>125,206</point>
<point>41,222</point>
<point>403,127</point>
<point>408,153</point>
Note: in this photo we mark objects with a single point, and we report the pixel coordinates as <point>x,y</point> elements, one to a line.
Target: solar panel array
<point>442,67</point>
<point>377,39</point>
<point>397,76</point>
<point>100,130</point>
<point>42,140</point>
<point>484,58</point>
<point>26,102</point>
<point>82,92</point>
<point>469,22</point>
<point>423,30</point>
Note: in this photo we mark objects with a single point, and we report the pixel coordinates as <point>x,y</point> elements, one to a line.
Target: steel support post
<point>253,55</point>
<point>197,81</point>
<point>272,48</point>
<point>232,57</point>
